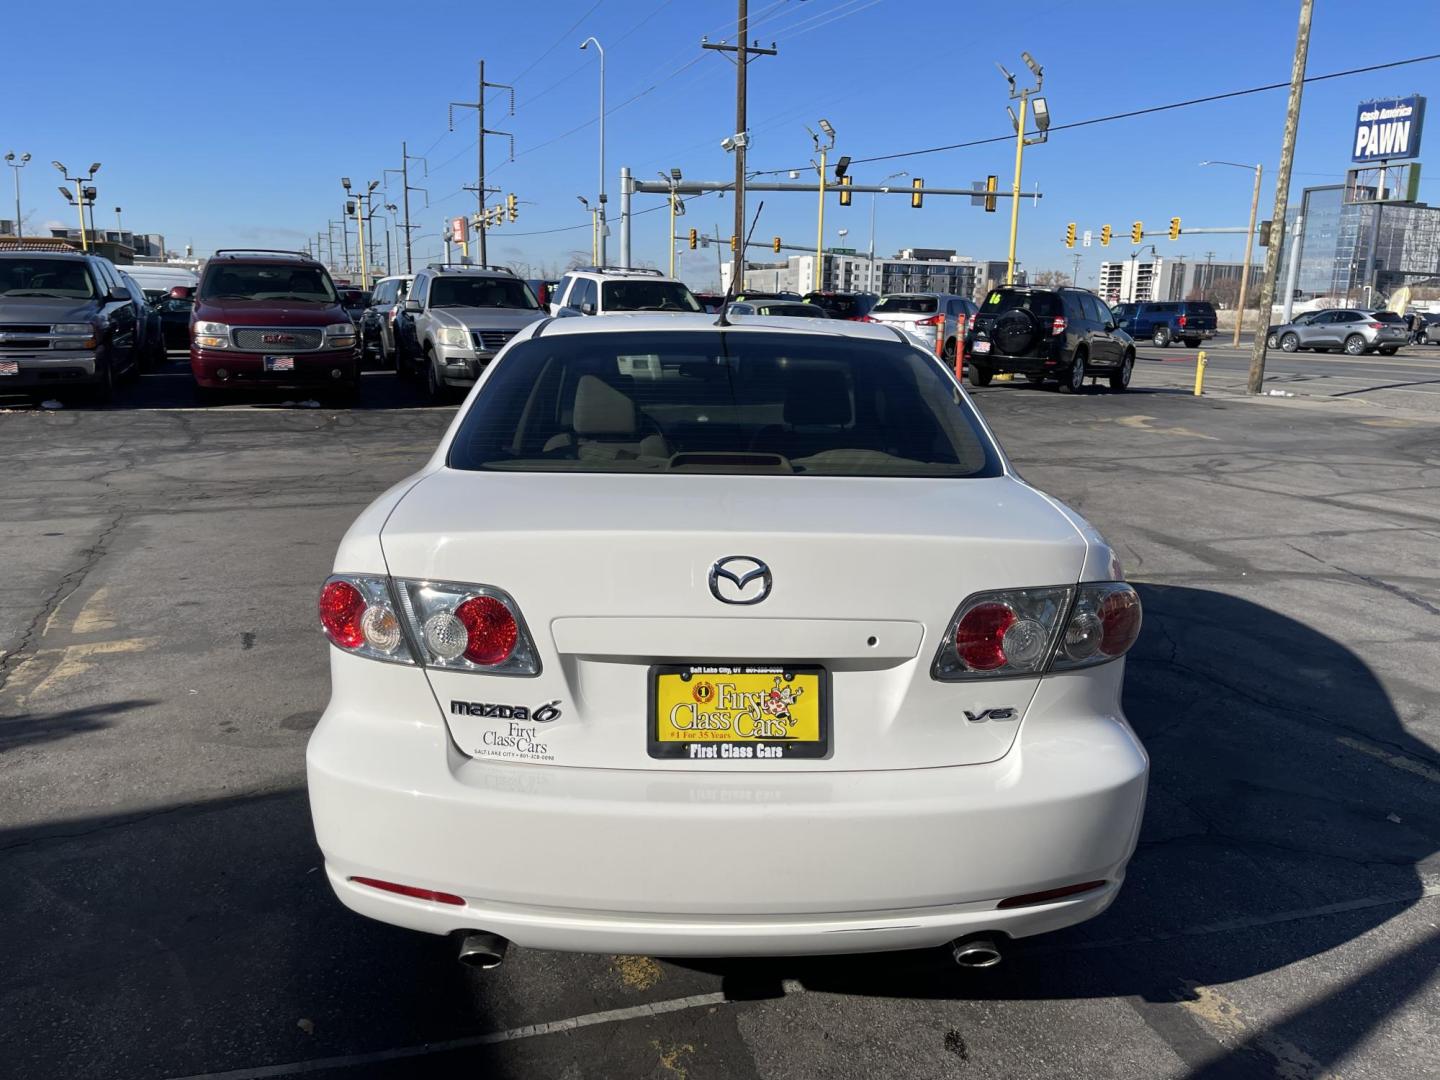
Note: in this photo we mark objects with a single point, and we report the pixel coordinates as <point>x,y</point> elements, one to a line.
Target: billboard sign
<point>457,230</point>
<point>1388,129</point>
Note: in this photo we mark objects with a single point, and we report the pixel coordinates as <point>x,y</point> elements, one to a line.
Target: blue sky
<point>224,126</point>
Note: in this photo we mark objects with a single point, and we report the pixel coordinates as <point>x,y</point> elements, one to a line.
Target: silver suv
<point>604,290</point>
<point>1351,329</point>
<point>920,316</point>
<point>457,316</point>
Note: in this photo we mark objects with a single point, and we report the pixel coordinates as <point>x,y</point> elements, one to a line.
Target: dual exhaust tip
<point>485,951</point>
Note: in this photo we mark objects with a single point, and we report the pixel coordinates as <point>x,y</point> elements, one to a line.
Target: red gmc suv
<point>271,318</point>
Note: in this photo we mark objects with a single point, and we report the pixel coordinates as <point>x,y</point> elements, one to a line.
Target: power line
<point>1134,112</point>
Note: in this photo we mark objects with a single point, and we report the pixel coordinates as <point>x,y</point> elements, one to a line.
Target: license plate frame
<point>280,363</point>
<point>980,348</point>
<point>752,749</point>
<point>9,367</point>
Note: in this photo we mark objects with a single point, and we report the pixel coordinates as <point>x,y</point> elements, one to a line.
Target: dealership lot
<point>165,915</point>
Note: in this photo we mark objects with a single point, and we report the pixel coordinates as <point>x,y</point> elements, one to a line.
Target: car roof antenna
<point>739,270</point>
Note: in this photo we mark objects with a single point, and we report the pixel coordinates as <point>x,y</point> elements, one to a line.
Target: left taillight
<point>1015,632</point>
<point>1057,325</point>
<point>359,615</point>
<point>438,624</point>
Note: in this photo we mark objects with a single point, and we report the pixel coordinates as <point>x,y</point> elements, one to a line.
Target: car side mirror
<point>182,292</point>
<point>1112,326</point>
<point>119,292</point>
<point>412,305</point>
<point>587,308</point>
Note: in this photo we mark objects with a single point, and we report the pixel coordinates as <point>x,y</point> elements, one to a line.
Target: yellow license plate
<point>744,712</point>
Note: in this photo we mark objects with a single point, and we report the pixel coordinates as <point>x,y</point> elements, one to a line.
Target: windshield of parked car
<point>482,292</point>
<point>839,307</point>
<point>1044,304</point>
<point>906,305</point>
<point>721,402</point>
<point>59,278</point>
<point>647,296</point>
<point>267,281</point>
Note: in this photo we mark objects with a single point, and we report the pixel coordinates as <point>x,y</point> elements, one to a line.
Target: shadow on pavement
<point>34,729</point>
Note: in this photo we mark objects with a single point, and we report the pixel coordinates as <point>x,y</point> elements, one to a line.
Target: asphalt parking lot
<point>162,913</point>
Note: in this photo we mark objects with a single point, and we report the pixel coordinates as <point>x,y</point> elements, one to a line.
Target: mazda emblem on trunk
<point>740,579</point>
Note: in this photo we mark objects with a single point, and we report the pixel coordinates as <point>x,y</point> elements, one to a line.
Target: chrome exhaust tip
<point>482,951</point>
<point>976,952</point>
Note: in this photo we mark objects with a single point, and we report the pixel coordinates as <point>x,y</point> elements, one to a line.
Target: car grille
<point>24,336</point>
<point>491,340</point>
<point>284,339</point>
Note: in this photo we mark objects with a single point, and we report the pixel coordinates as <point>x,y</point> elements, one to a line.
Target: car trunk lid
<point>612,576</point>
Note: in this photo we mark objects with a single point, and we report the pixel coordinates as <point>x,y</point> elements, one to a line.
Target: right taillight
<point>1057,325</point>
<point>1025,632</point>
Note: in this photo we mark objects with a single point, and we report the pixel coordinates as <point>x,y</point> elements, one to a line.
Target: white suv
<point>730,652</point>
<point>605,290</point>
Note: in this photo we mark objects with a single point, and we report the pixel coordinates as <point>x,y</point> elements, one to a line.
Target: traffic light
<point>512,206</point>
<point>990,184</point>
<point>1105,236</point>
<point>917,192</point>
<point>775,244</point>
<point>1266,232</point>
<point>734,242</point>
<point>845,195</point>
<point>1137,232</point>
<point>1174,228</point>
<point>694,236</point>
<point>1070,235</point>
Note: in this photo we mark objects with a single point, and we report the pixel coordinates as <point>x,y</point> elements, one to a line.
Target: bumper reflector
<point>411,891</point>
<point>1026,899</point>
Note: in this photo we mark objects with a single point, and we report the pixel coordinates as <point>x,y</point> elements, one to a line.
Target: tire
<point>433,386</point>
<point>1290,343</point>
<point>1161,337</point>
<point>980,376</point>
<point>1272,342</point>
<point>947,354</point>
<point>1074,382</point>
<point>1354,345</point>
<point>1120,381</point>
<point>1192,342</point>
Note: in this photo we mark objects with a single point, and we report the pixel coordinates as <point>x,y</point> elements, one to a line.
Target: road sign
<point>1085,241</point>
<point>840,251</point>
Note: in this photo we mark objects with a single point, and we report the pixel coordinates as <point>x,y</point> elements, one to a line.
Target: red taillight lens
<point>866,318</point>
<point>1048,895</point>
<point>1182,322</point>
<point>1377,326</point>
<point>980,636</point>
<point>341,609</point>
<point>412,891</point>
<point>490,629</point>
<point>933,320</point>
<point>1057,325</point>
<point>1119,622</point>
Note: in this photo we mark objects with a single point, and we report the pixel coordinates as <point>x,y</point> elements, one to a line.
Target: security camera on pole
<point>1042,125</point>
<point>17,164</point>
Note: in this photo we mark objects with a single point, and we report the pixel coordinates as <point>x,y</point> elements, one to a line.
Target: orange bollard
<point>962,323</point>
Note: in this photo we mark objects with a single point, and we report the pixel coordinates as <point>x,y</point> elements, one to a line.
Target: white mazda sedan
<point>720,640</point>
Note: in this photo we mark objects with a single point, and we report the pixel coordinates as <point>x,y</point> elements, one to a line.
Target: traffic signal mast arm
<point>701,187</point>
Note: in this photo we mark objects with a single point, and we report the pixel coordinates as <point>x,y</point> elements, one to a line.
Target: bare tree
<point>1052,278</point>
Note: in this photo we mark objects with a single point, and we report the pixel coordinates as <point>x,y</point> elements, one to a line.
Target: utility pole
<point>1209,274</point>
<point>1282,190</point>
<point>405,158</point>
<point>479,106</point>
<point>1042,124</point>
<point>741,140</point>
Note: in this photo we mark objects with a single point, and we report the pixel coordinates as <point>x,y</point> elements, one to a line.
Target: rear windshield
<point>917,305</point>
<point>1044,304</point>
<point>59,278</point>
<point>715,402</point>
<point>790,307</point>
<point>481,292</point>
<point>1388,316</point>
<point>839,307</point>
<point>1194,307</point>
<point>647,296</point>
<point>267,281</point>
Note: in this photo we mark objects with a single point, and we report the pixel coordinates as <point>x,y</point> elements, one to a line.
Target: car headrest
<point>819,397</point>
<point>601,409</point>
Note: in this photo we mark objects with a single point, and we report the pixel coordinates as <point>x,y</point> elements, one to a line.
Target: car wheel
<point>1192,342</point>
<point>1272,342</point>
<point>980,376</point>
<point>1076,381</point>
<point>948,353</point>
<point>1161,337</point>
<point>1290,343</point>
<point>1354,345</point>
<point>1121,379</point>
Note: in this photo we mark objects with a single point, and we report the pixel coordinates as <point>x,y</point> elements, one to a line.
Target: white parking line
<point>529,1031</point>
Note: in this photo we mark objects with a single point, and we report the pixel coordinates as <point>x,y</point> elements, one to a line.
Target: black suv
<point>67,322</point>
<point>1062,334</point>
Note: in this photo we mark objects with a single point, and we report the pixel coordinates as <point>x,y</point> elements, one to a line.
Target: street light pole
<point>600,211</point>
<point>24,160</point>
<point>1249,242</point>
<point>80,196</point>
<point>823,149</point>
<point>1042,123</point>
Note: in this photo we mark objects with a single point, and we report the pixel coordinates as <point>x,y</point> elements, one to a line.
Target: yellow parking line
<point>1216,1011</point>
<point>1395,761</point>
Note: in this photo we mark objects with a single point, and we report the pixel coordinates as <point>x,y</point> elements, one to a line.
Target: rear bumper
<point>221,368</point>
<point>48,370</point>
<point>1048,364</point>
<point>753,863</point>
<point>1188,334</point>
